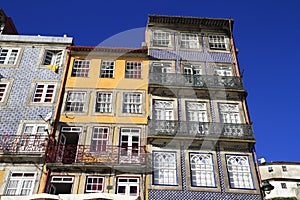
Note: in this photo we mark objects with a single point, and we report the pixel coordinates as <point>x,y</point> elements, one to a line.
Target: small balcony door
<point>130,144</point>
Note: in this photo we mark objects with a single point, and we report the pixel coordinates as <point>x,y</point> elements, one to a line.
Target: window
<point>132,103</point>
<point>61,185</point>
<point>189,41</point>
<point>107,69</point>
<point>103,102</point>
<point>133,69</point>
<point>99,139</point>
<point>130,141</point>
<point>163,110</point>
<point>217,42</point>
<point>53,57</point>
<point>229,113</point>
<point>3,91</point>
<point>8,56</point>
<point>270,169</point>
<point>196,111</point>
<point>81,68</point>
<point>128,186</point>
<point>239,172</point>
<point>222,71</point>
<point>164,168</point>
<point>192,69</point>
<point>33,138</point>
<point>161,39</point>
<point>94,184</point>
<point>284,168</point>
<point>202,170</point>
<point>75,101</point>
<point>44,93</point>
<point>283,186</point>
<point>298,184</point>
<point>20,183</point>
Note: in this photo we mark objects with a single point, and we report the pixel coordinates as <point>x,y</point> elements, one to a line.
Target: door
<point>68,144</point>
<point>130,144</point>
<point>61,147</point>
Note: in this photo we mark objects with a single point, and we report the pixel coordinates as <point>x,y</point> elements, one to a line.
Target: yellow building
<point>100,134</point>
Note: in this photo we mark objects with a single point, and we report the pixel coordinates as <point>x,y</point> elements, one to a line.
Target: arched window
<point>164,168</point>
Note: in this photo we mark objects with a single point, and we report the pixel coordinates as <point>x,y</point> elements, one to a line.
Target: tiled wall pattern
<point>23,75</point>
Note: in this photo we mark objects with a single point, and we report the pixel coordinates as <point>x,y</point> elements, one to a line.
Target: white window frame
<point>92,183</point>
<point>3,91</point>
<point>99,140</point>
<point>192,69</point>
<point>131,182</point>
<point>81,68</point>
<point>161,38</point>
<point>103,102</point>
<point>196,111</point>
<point>75,103</point>
<point>202,170</point>
<point>10,57</point>
<point>229,113</point>
<point>163,110</point>
<point>165,168</point>
<point>45,92</point>
<point>107,69</point>
<point>133,69</point>
<point>130,147</point>
<point>53,57</point>
<point>223,71</point>
<point>132,103</point>
<point>217,42</point>
<point>20,182</point>
<point>189,41</point>
<point>239,172</point>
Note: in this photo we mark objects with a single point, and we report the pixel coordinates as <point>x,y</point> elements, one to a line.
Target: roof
<point>36,39</point>
<point>186,20</point>
<point>108,49</point>
<point>280,163</point>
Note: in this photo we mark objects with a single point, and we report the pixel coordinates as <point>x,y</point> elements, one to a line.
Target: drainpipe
<point>56,119</point>
<point>258,173</point>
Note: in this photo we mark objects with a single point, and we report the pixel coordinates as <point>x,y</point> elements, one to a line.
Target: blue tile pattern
<point>23,76</point>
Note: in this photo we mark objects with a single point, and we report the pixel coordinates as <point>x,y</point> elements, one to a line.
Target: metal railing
<point>173,79</point>
<point>22,144</point>
<point>73,153</point>
<point>199,129</point>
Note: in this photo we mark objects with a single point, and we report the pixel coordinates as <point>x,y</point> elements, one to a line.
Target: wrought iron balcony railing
<point>173,79</point>
<point>22,144</point>
<point>199,129</point>
<point>105,154</point>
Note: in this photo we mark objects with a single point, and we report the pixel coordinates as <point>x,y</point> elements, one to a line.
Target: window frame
<point>215,44</point>
<point>230,117</point>
<point>127,185</point>
<point>189,41</point>
<point>173,169</point>
<point>56,55</point>
<point>43,93</point>
<point>138,106</point>
<point>161,42</point>
<point>78,70</point>
<point>205,171</point>
<point>94,191</point>
<point>133,69</point>
<point>156,111</point>
<point>83,102</point>
<point>4,94</point>
<point>102,69</point>
<point>283,186</point>
<point>102,146</point>
<point>19,186</point>
<point>100,103</point>
<point>8,55</point>
<point>248,171</point>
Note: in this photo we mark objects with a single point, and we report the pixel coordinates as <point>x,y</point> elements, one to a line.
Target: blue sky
<point>266,33</point>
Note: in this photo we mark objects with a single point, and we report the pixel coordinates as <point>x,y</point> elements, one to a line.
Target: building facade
<point>199,130</point>
<point>284,176</point>
<point>100,143</point>
<point>7,26</point>
<point>31,69</point>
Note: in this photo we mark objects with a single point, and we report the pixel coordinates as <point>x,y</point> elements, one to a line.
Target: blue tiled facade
<point>209,58</point>
<point>24,74</point>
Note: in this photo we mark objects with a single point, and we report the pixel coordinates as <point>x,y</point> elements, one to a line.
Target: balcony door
<point>68,144</point>
<point>130,144</point>
<point>196,114</point>
<point>33,138</point>
<point>191,73</point>
<point>161,70</point>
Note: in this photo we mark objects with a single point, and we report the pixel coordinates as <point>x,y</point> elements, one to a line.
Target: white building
<point>284,176</point>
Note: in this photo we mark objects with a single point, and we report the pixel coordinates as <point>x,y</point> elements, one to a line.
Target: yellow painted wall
<point>118,83</point>
<point>2,172</point>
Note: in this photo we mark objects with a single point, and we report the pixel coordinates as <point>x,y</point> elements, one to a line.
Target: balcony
<point>187,80</point>
<point>200,129</point>
<point>87,154</point>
